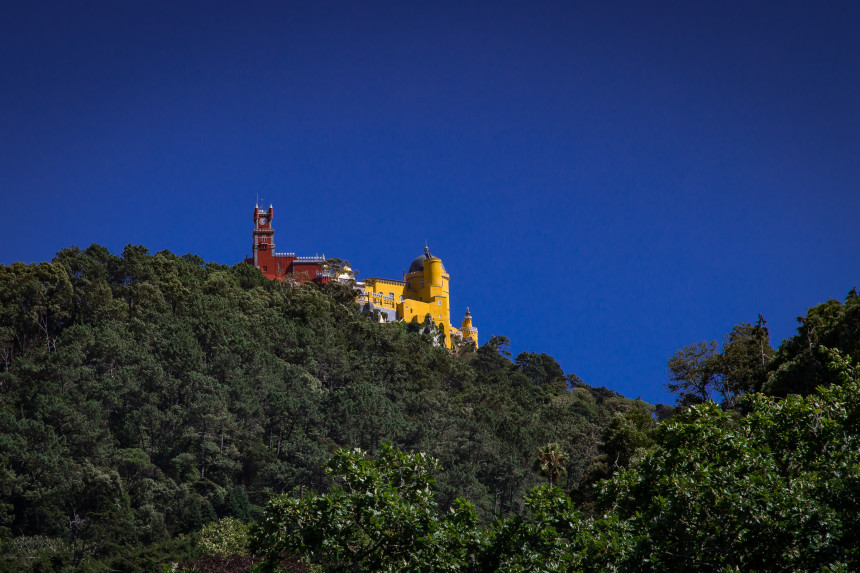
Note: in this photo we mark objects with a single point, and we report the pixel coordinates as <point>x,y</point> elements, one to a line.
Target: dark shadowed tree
<point>693,373</point>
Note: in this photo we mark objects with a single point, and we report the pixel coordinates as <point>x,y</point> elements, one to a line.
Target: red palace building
<point>281,266</point>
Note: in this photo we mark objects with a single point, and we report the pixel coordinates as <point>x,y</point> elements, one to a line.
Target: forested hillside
<point>757,482</point>
<point>143,396</point>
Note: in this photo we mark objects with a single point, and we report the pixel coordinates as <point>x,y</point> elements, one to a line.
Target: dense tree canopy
<point>145,395</point>
<point>154,408</point>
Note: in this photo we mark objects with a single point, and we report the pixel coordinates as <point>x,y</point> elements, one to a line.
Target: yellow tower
<point>422,293</point>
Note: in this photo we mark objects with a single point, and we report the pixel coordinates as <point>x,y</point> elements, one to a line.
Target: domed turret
<point>469,331</point>
<point>417,265</point>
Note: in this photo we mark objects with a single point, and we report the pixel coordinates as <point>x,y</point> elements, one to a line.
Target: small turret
<point>468,330</point>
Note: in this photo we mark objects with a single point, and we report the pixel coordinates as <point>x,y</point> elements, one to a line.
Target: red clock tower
<point>264,236</point>
<point>280,266</point>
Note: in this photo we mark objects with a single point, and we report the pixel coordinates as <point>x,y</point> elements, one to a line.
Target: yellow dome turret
<point>422,292</point>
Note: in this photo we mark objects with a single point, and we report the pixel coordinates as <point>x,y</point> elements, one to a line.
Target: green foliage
<point>627,436</point>
<point>541,541</point>
<point>381,516</point>
<point>624,441</point>
<point>228,536</point>
<point>777,489</point>
<point>542,370</point>
<point>798,366</point>
<point>744,359</point>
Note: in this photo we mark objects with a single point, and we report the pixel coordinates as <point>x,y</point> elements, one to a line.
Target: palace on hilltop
<point>422,296</point>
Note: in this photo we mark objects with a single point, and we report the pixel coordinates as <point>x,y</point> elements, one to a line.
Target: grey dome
<point>418,264</point>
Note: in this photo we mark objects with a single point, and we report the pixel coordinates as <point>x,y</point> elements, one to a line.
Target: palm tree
<point>550,463</point>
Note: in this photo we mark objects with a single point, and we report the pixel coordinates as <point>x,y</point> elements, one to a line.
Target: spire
<point>467,323</point>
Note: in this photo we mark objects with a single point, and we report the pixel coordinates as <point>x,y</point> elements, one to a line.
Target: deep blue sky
<point>605,182</point>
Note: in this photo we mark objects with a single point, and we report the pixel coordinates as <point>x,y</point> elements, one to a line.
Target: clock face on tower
<point>263,220</point>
